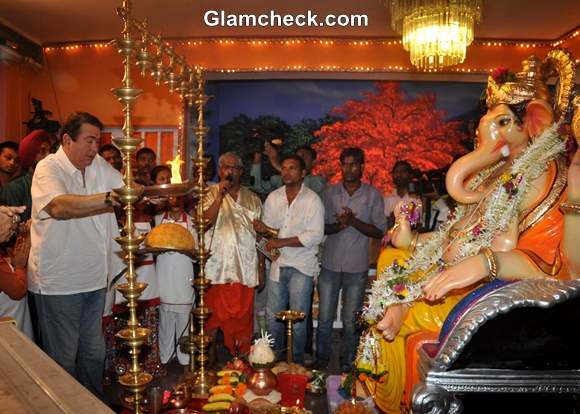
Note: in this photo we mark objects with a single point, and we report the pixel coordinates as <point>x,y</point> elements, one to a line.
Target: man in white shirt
<point>316,183</point>
<point>295,214</point>
<point>71,257</point>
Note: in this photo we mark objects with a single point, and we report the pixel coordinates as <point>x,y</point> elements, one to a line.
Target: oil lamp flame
<point>175,169</point>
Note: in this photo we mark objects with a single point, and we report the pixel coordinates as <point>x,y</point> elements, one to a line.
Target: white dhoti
<point>172,325</point>
<point>174,277</point>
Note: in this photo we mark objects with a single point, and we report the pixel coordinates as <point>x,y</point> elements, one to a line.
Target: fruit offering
<point>230,387</point>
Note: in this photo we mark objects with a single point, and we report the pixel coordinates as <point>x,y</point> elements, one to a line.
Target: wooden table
<point>31,382</point>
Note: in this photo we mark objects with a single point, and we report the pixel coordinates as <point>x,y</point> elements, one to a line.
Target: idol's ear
<point>539,116</point>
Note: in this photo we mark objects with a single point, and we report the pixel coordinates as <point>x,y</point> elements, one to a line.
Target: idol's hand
<point>391,323</point>
<point>465,273</point>
<point>401,234</point>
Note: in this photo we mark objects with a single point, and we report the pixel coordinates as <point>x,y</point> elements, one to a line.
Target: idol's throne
<point>505,344</point>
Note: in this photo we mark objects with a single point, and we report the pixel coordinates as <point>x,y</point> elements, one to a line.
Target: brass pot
<point>262,381</point>
<point>181,396</point>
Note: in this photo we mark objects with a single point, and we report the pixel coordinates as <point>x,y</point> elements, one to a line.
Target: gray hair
<point>230,155</point>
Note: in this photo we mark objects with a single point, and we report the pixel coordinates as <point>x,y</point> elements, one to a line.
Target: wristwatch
<point>108,199</point>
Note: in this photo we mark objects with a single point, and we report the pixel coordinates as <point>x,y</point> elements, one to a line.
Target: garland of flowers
<point>402,282</point>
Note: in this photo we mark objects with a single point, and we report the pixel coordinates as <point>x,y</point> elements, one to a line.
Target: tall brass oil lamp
<point>203,378</point>
<point>134,335</point>
<point>178,76</point>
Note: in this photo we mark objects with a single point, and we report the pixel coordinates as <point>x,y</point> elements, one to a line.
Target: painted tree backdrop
<point>388,126</point>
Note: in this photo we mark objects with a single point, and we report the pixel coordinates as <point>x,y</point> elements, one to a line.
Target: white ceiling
<point>49,21</point>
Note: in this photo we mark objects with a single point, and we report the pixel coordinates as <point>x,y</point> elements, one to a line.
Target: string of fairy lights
<point>322,42</point>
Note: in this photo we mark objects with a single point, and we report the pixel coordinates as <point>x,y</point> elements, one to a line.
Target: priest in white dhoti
<point>233,265</point>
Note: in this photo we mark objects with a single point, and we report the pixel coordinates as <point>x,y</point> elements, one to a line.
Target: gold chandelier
<point>435,32</point>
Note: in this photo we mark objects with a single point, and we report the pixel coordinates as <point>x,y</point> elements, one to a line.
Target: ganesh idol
<point>517,217</point>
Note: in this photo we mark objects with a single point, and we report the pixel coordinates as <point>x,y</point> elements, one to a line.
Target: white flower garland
<point>402,282</point>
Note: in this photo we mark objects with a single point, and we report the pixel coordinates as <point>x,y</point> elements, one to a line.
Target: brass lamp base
<point>138,382</point>
<point>200,384</point>
<point>290,316</point>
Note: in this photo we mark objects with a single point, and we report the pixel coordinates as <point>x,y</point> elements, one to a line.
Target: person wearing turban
<point>33,148</point>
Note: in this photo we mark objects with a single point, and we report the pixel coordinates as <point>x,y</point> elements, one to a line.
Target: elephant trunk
<point>462,170</point>
<point>491,149</point>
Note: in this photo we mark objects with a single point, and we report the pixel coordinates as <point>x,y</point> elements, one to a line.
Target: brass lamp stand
<point>135,380</point>
<point>166,66</point>
<point>203,379</point>
<point>290,316</point>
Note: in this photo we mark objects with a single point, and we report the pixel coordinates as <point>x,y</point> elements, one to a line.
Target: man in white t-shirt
<point>71,255</point>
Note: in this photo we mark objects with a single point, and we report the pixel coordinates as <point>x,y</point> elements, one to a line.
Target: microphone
<point>229,180</point>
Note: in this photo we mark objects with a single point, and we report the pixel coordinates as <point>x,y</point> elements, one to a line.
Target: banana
<point>229,372</point>
<point>217,406</point>
<point>221,389</point>
<point>221,397</point>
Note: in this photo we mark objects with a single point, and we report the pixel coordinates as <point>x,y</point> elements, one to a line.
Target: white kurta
<point>175,272</point>
<point>175,275</point>
<point>232,240</point>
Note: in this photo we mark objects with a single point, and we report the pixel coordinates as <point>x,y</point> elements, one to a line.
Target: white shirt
<point>75,255</point>
<point>175,271</point>
<point>232,239</point>
<point>304,218</point>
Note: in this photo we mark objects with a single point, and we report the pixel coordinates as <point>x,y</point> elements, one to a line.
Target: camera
<point>428,182</point>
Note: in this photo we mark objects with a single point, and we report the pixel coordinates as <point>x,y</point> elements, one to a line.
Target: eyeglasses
<point>233,167</point>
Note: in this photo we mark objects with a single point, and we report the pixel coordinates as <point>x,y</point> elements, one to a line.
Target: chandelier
<point>435,32</point>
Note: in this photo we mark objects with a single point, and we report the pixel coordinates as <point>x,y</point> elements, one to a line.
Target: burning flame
<point>175,169</point>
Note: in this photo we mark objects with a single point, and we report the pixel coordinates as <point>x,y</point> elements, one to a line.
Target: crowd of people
<point>272,244</point>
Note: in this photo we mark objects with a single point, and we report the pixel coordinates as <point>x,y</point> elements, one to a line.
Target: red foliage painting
<point>389,126</point>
